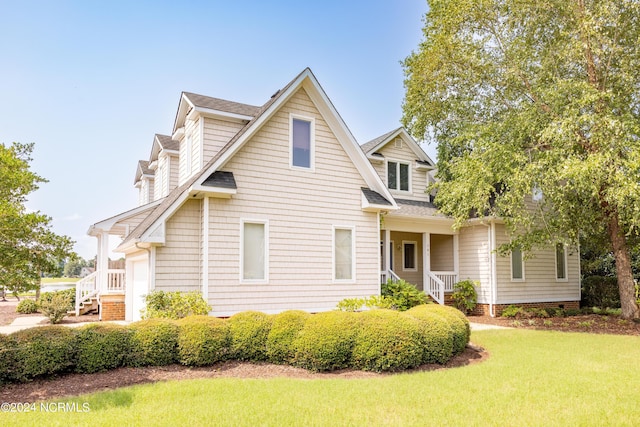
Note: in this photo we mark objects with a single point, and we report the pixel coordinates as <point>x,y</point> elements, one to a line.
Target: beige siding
<point>132,222</point>
<point>178,261</point>
<point>540,283</point>
<point>161,185</point>
<point>418,180</point>
<point>174,170</point>
<point>192,131</point>
<point>216,134</point>
<point>301,213</point>
<point>411,276</point>
<point>441,249</point>
<point>146,191</point>
<point>474,259</point>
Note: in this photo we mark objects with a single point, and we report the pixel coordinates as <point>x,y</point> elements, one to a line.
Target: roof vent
<point>397,143</point>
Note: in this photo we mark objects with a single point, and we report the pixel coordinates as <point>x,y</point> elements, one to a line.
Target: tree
<point>28,247</point>
<point>73,267</point>
<point>536,97</point>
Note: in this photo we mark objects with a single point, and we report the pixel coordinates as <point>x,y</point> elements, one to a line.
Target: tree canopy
<point>28,247</point>
<point>539,98</point>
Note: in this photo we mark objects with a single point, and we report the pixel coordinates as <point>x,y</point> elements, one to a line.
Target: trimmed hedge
<point>27,306</point>
<point>154,342</point>
<point>436,335</point>
<point>249,332</point>
<point>387,341</point>
<point>326,341</point>
<point>42,351</point>
<point>203,340</point>
<point>376,340</point>
<point>458,323</point>
<point>285,329</point>
<point>101,347</point>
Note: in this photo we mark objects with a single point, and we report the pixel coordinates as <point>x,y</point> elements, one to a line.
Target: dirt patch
<point>8,314</point>
<point>591,323</point>
<point>76,384</point>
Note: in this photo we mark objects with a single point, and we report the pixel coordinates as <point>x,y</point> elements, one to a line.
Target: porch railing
<point>115,280</point>
<point>439,282</point>
<point>388,274</point>
<point>86,288</point>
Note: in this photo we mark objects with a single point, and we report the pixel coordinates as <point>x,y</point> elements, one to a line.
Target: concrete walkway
<point>20,323</point>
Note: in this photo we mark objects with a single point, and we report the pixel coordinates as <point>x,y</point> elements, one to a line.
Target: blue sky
<point>91,82</point>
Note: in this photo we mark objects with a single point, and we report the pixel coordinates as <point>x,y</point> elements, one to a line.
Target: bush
<point>154,342</point>
<point>359,304</point>
<point>436,335</point>
<point>9,364</point>
<point>465,296</point>
<point>174,305</point>
<point>70,293</point>
<point>460,328</point>
<point>404,295</point>
<point>513,311</point>
<point>351,304</point>
<point>249,332</point>
<point>203,340</point>
<point>43,351</point>
<point>387,341</point>
<point>57,307</point>
<point>27,306</point>
<point>101,347</point>
<point>600,291</point>
<point>284,330</point>
<point>326,341</point>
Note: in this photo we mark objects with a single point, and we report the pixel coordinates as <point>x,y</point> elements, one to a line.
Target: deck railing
<point>115,280</point>
<point>86,288</point>
<point>439,282</point>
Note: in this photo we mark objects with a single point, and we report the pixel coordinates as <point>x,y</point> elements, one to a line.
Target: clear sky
<point>91,82</point>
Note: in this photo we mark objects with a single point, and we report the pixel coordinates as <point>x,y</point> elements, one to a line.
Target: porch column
<point>426,260</point>
<point>455,257</point>
<point>386,251</point>
<point>102,261</point>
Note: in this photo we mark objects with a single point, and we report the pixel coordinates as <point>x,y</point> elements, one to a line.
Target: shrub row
<point>376,340</point>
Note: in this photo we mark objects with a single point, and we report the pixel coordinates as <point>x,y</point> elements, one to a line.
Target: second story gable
<point>401,164</point>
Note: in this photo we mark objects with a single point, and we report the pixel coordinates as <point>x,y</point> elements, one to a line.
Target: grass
<point>531,378</point>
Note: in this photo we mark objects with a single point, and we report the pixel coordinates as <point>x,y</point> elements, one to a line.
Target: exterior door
<point>138,272</point>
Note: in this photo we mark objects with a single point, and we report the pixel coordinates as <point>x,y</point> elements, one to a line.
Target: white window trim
<point>188,156</point>
<point>398,163</point>
<point>415,255</point>
<point>265,222</point>
<point>353,253</point>
<point>511,267</point>
<point>312,138</point>
<point>555,260</point>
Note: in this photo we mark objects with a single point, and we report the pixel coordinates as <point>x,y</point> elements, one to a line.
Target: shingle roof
<point>222,104</point>
<point>414,208</point>
<point>167,143</point>
<point>221,179</point>
<point>368,146</point>
<point>142,169</point>
<point>374,197</point>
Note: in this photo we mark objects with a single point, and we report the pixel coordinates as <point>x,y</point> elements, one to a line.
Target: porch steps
<point>86,307</point>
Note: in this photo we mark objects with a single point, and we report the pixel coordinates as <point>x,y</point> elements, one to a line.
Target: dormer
<point>203,126</point>
<point>164,161</point>
<point>401,164</point>
<point>144,182</point>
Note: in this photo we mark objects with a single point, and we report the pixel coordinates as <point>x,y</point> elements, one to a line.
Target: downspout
<point>494,273</point>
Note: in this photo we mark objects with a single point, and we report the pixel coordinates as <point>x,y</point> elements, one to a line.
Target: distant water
<point>52,287</point>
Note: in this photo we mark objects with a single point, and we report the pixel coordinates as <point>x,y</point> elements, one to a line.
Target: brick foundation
<point>483,309</point>
<point>112,307</point>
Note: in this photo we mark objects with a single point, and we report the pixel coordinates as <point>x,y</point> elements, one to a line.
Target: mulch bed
<point>590,323</point>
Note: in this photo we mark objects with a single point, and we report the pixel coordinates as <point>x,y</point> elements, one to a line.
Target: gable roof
<point>371,148</point>
<point>163,143</point>
<point>305,80</point>
<point>143,170</point>
<point>212,106</point>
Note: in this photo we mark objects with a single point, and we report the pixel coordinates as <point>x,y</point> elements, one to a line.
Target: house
<point>277,207</point>
<point>85,271</point>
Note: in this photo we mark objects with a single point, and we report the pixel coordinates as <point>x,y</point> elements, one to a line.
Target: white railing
<point>86,288</point>
<point>115,280</point>
<point>448,277</point>
<point>388,274</point>
<point>439,282</point>
<point>435,287</point>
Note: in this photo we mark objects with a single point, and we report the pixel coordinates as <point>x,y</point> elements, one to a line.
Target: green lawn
<point>531,378</point>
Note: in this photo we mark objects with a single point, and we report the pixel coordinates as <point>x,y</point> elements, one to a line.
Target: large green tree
<point>539,97</point>
<point>28,247</point>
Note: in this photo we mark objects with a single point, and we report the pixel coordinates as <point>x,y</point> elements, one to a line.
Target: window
<point>254,250</point>
<point>561,262</point>
<point>517,266</point>
<point>188,147</point>
<point>409,256</point>
<point>343,257</point>
<point>398,176</point>
<point>302,142</point>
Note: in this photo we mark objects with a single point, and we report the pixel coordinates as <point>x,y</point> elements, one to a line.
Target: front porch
<point>101,286</point>
<point>427,260</point>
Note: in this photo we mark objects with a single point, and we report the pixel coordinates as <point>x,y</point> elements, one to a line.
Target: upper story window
<point>188,153</point>
<point>302,142</point>
<point>398,176</point>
